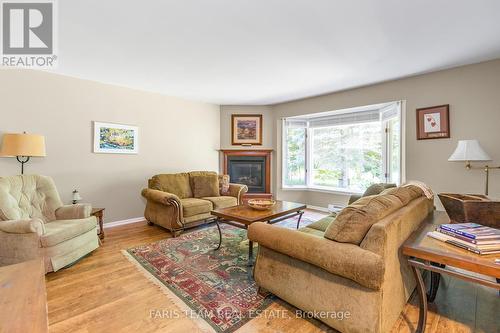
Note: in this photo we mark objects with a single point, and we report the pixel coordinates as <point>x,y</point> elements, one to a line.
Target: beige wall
<point>174,135</point>
<point>473,93</point>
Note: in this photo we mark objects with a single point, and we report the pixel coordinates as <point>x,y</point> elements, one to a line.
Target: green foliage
<point>346,156</point>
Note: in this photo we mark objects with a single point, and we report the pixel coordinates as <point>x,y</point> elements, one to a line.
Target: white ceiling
<point>269,51</point>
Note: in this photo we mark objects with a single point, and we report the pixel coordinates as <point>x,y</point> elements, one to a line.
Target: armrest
<point>160,196</point>
<point>237,191</point>
<point>347,260</point>
<point>71,212</point>
<point>23,226</point>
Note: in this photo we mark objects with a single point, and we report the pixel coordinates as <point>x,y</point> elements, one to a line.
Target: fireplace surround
<point>249,167</point>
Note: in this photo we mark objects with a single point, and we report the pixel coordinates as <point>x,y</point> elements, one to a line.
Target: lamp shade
<point>469,150</point>
<point>23,145</point>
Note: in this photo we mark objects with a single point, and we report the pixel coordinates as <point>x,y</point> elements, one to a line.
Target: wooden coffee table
<point>426,253</point>
<point>242,216</point>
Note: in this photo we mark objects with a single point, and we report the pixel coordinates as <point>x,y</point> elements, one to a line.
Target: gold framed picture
<point>246,129</point>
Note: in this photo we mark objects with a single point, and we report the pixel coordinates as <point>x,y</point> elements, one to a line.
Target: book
<point>470,240</point>
<point>495,246</point>
<point>472,230</point>
<point>463,244</point>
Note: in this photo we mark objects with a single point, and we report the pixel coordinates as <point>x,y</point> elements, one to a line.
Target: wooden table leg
<point>101,226</point>
<point>422,296</point>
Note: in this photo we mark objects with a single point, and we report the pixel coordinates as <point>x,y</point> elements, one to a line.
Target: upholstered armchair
<point>34,223</point>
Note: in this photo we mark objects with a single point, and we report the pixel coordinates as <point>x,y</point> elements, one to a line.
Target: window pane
<point>348,156</point>
<point>295,156</point>
<point>394,147</point>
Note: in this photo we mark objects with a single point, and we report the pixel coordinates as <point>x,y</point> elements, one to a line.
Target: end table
<point>99,214</point>
<point>425,253</point>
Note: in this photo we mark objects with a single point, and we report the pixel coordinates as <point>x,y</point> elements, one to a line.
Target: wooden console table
<point>426,253</point>
<point>23,301</point>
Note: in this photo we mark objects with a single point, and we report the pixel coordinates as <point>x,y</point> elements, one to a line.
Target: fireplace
<point>250,167</point>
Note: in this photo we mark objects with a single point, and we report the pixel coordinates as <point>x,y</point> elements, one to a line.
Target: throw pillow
<point>224,184</point>
<point>205,186</point>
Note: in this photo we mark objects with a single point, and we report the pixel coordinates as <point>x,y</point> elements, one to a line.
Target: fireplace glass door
<point>249,171</point>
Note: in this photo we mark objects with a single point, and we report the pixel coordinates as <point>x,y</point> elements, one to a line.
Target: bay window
<point>343,150</point>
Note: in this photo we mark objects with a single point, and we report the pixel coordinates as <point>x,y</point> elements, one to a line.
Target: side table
<point>99,214</point>
<point>428,254</point>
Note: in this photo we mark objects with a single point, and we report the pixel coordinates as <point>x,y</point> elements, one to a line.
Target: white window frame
<point>308,151</point>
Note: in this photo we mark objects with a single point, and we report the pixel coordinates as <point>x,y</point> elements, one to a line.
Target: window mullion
<point>308,156</point>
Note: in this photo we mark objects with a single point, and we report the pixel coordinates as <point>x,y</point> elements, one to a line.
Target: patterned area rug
<point>216,286</point>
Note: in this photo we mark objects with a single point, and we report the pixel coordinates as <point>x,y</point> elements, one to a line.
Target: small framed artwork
<point>112,138</point>
<point>246,129</point>
<point>433,122</point>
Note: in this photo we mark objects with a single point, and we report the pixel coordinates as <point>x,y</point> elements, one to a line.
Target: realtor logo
<point>28,34</point>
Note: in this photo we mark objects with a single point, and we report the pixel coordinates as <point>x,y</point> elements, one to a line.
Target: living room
<point>249,166</point>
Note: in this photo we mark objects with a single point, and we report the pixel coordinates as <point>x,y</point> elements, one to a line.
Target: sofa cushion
<point>224,184</point>
<point>205,186</point>
<point>198,173</point>
<point>375,189</point>
<point>222,201</point>
<point>60,231</point>
<point>194,206</point>
<point>176,183</point>
<point>312,231</point>
<point>354,221</point>
<point>322,224</point>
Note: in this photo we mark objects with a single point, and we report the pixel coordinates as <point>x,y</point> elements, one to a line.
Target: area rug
<point>215,288</point>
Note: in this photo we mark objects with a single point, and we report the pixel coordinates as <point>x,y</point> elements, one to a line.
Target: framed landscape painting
<point>115,138</point>
<point>246,129</point>
<point>433,122</point>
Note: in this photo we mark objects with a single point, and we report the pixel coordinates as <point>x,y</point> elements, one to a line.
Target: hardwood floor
<point>104,292</point>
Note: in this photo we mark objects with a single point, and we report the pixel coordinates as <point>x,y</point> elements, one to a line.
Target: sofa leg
<point>175,233</point>
<point>263,292</point>
<point>149,223</point>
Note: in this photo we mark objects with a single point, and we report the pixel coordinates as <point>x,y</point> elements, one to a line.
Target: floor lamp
<point>23,147</point>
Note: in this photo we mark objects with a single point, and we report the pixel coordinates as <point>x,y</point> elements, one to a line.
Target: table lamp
<point>76,197</point>
<point>471,151</point>
<point>23,147</point>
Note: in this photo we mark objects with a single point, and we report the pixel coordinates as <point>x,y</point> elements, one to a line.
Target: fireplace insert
<point>248,170</point>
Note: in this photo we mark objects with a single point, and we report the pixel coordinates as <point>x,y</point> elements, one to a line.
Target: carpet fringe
<point>202,324</point>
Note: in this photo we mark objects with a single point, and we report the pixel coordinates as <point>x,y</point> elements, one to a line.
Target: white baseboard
<point>123,222</point>
<point>321,209</point>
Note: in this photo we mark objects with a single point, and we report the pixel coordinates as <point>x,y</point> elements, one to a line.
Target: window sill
<point>320,190</point>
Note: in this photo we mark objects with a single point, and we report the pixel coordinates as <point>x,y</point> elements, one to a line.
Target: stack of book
<point>473,237</point>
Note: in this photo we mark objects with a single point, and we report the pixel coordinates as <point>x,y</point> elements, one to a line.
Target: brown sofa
<point>171,201</point>
<point>349,266</point>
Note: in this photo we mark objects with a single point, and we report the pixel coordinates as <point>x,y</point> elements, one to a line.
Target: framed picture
<point>433,122</point>
<point>246,129</point>
<point>115,138</point>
